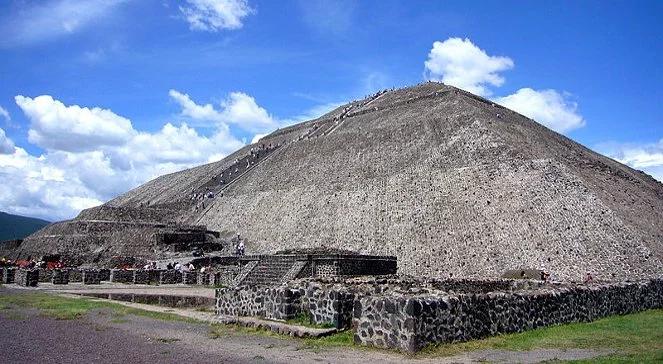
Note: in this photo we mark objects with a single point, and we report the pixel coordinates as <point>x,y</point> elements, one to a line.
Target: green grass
<point>303,319</point>
<point>64,308</point>
<point>635,338</point>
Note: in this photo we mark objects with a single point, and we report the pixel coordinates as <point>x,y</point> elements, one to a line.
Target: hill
<point>18,227</point>
<point>450,183</point>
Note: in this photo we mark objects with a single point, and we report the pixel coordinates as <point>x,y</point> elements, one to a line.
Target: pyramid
<point>450,183</point>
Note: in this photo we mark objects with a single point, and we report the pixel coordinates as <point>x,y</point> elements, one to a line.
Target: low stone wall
<point>121,276</point>
<point>75,275</point>
<point>60,276</point>
<point>45,275</point>
<point>27,277</point>
<point>224,276</point>
<point>91,277</point>
<point>410,323</point>
<point>170,277</point>
<point>190,277</point>
<point>8,275</point>
<point>241,301</point>
<point>104,274</point>
<point>322,306</point>
<point>203,279</point>
<point>141,277</point>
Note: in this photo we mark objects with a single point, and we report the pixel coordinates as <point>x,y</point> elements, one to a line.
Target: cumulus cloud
<point>647,157</point>
<point>72,128</point>
<point>6,145</point>
<point>91,155</point>
<point>548,107</point>
<point>238,108</point>
<point>51,19</point>
<point>460,63</point>
<point>215,15</point>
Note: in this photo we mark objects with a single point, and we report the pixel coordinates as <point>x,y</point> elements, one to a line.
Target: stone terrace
<point>407,314</point>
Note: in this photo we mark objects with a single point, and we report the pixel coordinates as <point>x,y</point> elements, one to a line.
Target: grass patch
<point>343,339</point>
<point>636,338</point>
<point>304,319</point>
<point>205,309</point>
<point>65,308</point>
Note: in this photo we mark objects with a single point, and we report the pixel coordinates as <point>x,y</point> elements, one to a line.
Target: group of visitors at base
<point>30,263</point>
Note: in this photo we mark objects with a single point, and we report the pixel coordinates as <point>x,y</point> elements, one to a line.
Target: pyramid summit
<point>450,183</point>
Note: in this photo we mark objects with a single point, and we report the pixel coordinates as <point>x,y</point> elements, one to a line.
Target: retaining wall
<point>8,275</point>
<point>120,276</point>
<point>60,276</point>
<point>410,323</point>
<point>91,277</point>
<point>27,277</point>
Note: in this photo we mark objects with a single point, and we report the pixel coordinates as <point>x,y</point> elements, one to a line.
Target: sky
<point>100,96</point>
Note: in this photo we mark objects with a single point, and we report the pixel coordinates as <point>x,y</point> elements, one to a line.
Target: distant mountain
<point>18,227</point>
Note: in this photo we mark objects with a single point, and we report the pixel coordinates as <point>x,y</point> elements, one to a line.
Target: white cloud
<point>647,157</point>
<point>72,128</point>
<point>6,145</point>
<point>548,107</point>
<point>5,114</point>
<point>215,15</point>
<point>238,108</point>
<point>92,155</point>
<point>51,19</point>
<point>194,111</point>
<point>460,63</point>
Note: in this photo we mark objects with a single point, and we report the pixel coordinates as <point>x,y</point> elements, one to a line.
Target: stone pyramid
<point>450,183</point>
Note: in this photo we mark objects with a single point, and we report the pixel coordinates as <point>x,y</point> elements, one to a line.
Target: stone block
<point>60,276</point>
<point>27,277</point>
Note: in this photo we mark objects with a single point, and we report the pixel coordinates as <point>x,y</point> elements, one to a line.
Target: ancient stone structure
<point>190,277</point>
<point>45,275</point>
<point>141,276</point>
<point>90,276</point>
<point>409,314</point>
<point>8,275</point>
<point>60,276</point>
<point>121,276</point>
<point>170,277</point>
<point>75,275</point>
<point>27,277</point>
<point>429,174</point>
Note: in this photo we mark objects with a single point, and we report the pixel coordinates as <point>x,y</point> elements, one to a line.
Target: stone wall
<point>89,276</point>
<point>104,274</point>
<point>241,301</point>
<point>141,276</point>
<point>75,275</point>
<point>121,276</point>
<point>170,277</point>
<point>411,322</point>
<point>8,275</point>
<point>45,275</point>
<point>203,279</point>
<point>27,277</point>
<point>60,276</point>
<point>190,277</point>
<point>410,314</point>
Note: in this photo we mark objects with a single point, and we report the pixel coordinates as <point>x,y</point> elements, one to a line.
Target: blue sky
<point>99,96</point>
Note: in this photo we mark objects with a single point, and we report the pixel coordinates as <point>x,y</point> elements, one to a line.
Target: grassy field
<point>635,338</point>
<point>64,308</point>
